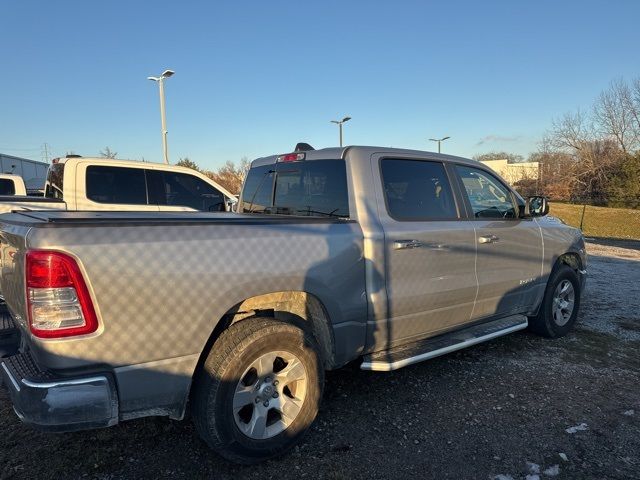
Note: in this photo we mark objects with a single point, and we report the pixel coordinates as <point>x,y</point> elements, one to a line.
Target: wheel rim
<point>563,302</point>
<point>270,395</point>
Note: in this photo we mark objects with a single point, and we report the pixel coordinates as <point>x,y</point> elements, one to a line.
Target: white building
<point>514,172</point>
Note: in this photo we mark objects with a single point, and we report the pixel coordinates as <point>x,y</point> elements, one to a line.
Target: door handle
<point>488,239</point>
<point>405,244</point>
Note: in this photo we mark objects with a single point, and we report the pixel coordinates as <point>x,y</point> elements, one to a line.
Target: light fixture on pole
<point>439,140</point>
<point>339,123</point>
<point>163,119</point>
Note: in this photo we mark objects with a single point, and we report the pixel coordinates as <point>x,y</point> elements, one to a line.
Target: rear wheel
<point>259,390</point>
<point>559,309</point>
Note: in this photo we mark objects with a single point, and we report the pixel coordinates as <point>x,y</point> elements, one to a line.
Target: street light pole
<point>339,123</point>
<point>439,140</point>
<point>163,118</point>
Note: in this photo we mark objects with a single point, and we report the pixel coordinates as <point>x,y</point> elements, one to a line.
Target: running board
<point>408,354</point>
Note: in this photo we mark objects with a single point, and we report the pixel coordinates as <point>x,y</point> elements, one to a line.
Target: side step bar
<point>408,354</point>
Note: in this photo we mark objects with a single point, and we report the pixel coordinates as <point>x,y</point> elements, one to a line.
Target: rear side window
<point>488,197</point>
<point>55,176</point>
<point>7,187</point>
<point>120,185</point>
<point>184,190</point>
<point>307,188</point>
<point>417,190</point>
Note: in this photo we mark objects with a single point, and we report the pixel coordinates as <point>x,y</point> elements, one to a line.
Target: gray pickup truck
<point>382,256</point>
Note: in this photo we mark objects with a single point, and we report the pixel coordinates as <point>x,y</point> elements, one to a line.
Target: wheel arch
<point>571,259</point>
<point>292,306</point>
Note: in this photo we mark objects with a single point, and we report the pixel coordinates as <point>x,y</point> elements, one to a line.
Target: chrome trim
<point>63,383</point>
<point>378,366</point>
<point>13,380</point>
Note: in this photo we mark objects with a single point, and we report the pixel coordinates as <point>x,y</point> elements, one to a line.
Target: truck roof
<point>341,153</point>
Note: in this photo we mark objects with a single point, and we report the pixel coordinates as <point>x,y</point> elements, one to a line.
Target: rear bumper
<point>50,402</point>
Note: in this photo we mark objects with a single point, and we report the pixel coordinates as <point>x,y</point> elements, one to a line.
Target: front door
<point>509,259</point>
<point>429,251</point>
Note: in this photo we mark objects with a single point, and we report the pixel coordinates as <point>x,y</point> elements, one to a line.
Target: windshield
<point>311,188</point>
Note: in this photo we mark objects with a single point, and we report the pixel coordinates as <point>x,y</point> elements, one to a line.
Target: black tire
<point>544,323</point>
<point>216,382</point>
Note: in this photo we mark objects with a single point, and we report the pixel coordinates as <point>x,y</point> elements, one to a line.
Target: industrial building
<point>33,172</point>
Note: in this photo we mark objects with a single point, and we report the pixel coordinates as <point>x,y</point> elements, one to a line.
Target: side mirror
<point>536,207</point>
<point>232,204</point>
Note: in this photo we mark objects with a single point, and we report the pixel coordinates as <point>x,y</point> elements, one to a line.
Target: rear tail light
<point>58,300</point>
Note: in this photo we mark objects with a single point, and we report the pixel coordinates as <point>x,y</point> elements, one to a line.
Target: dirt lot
<point>517,406</point>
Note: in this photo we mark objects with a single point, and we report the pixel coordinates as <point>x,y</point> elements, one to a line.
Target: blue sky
<point>254,78</point>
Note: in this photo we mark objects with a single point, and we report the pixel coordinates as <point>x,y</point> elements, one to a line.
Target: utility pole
<point>45,152</point>
<point>439,140</point>
<point>163,120</point>
<point>339,123</point>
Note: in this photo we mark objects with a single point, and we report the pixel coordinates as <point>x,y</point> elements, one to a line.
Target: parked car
<point>80,183</point>
<point>11,184</point>
<point>371,254</point>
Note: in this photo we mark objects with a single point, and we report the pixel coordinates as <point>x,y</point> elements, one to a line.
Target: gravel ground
<point>514,408</point>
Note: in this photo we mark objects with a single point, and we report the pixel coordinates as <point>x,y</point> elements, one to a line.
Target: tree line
<point>230,175</point>
<point>591,154</point>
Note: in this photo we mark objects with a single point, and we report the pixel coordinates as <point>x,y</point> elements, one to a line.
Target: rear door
<point>509,258</point>
<point>429,250</point>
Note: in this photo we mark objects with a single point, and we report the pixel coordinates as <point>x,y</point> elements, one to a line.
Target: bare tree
<point>614,117</point>
<point>570,132</point>
<point>230,175</point>
<point>510,157</point>
<point>635,105</point>
<point>108,153</point>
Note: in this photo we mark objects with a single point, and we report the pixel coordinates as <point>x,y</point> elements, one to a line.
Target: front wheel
<point>258,390</point>
<point>559,310</point>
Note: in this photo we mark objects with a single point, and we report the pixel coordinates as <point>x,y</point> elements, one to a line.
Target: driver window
<point>488,197</point>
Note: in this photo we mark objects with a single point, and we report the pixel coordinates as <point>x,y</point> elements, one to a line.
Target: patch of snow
<point>503,477</point>
<point>563,456</point>
<point>533,467</point>
<point>628,413</point>
<point>577,428</point>
<point>532,476</point>
<point>552,471</point>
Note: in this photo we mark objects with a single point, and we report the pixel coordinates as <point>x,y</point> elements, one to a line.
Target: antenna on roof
<point>303,147</point>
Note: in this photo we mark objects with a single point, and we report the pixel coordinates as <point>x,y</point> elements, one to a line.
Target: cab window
<point>316,188</point>
<point>116,185</point>
<point>488,197</point>
<point>184,190</point>
<point>417,190</point>
<point>7,187</point>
